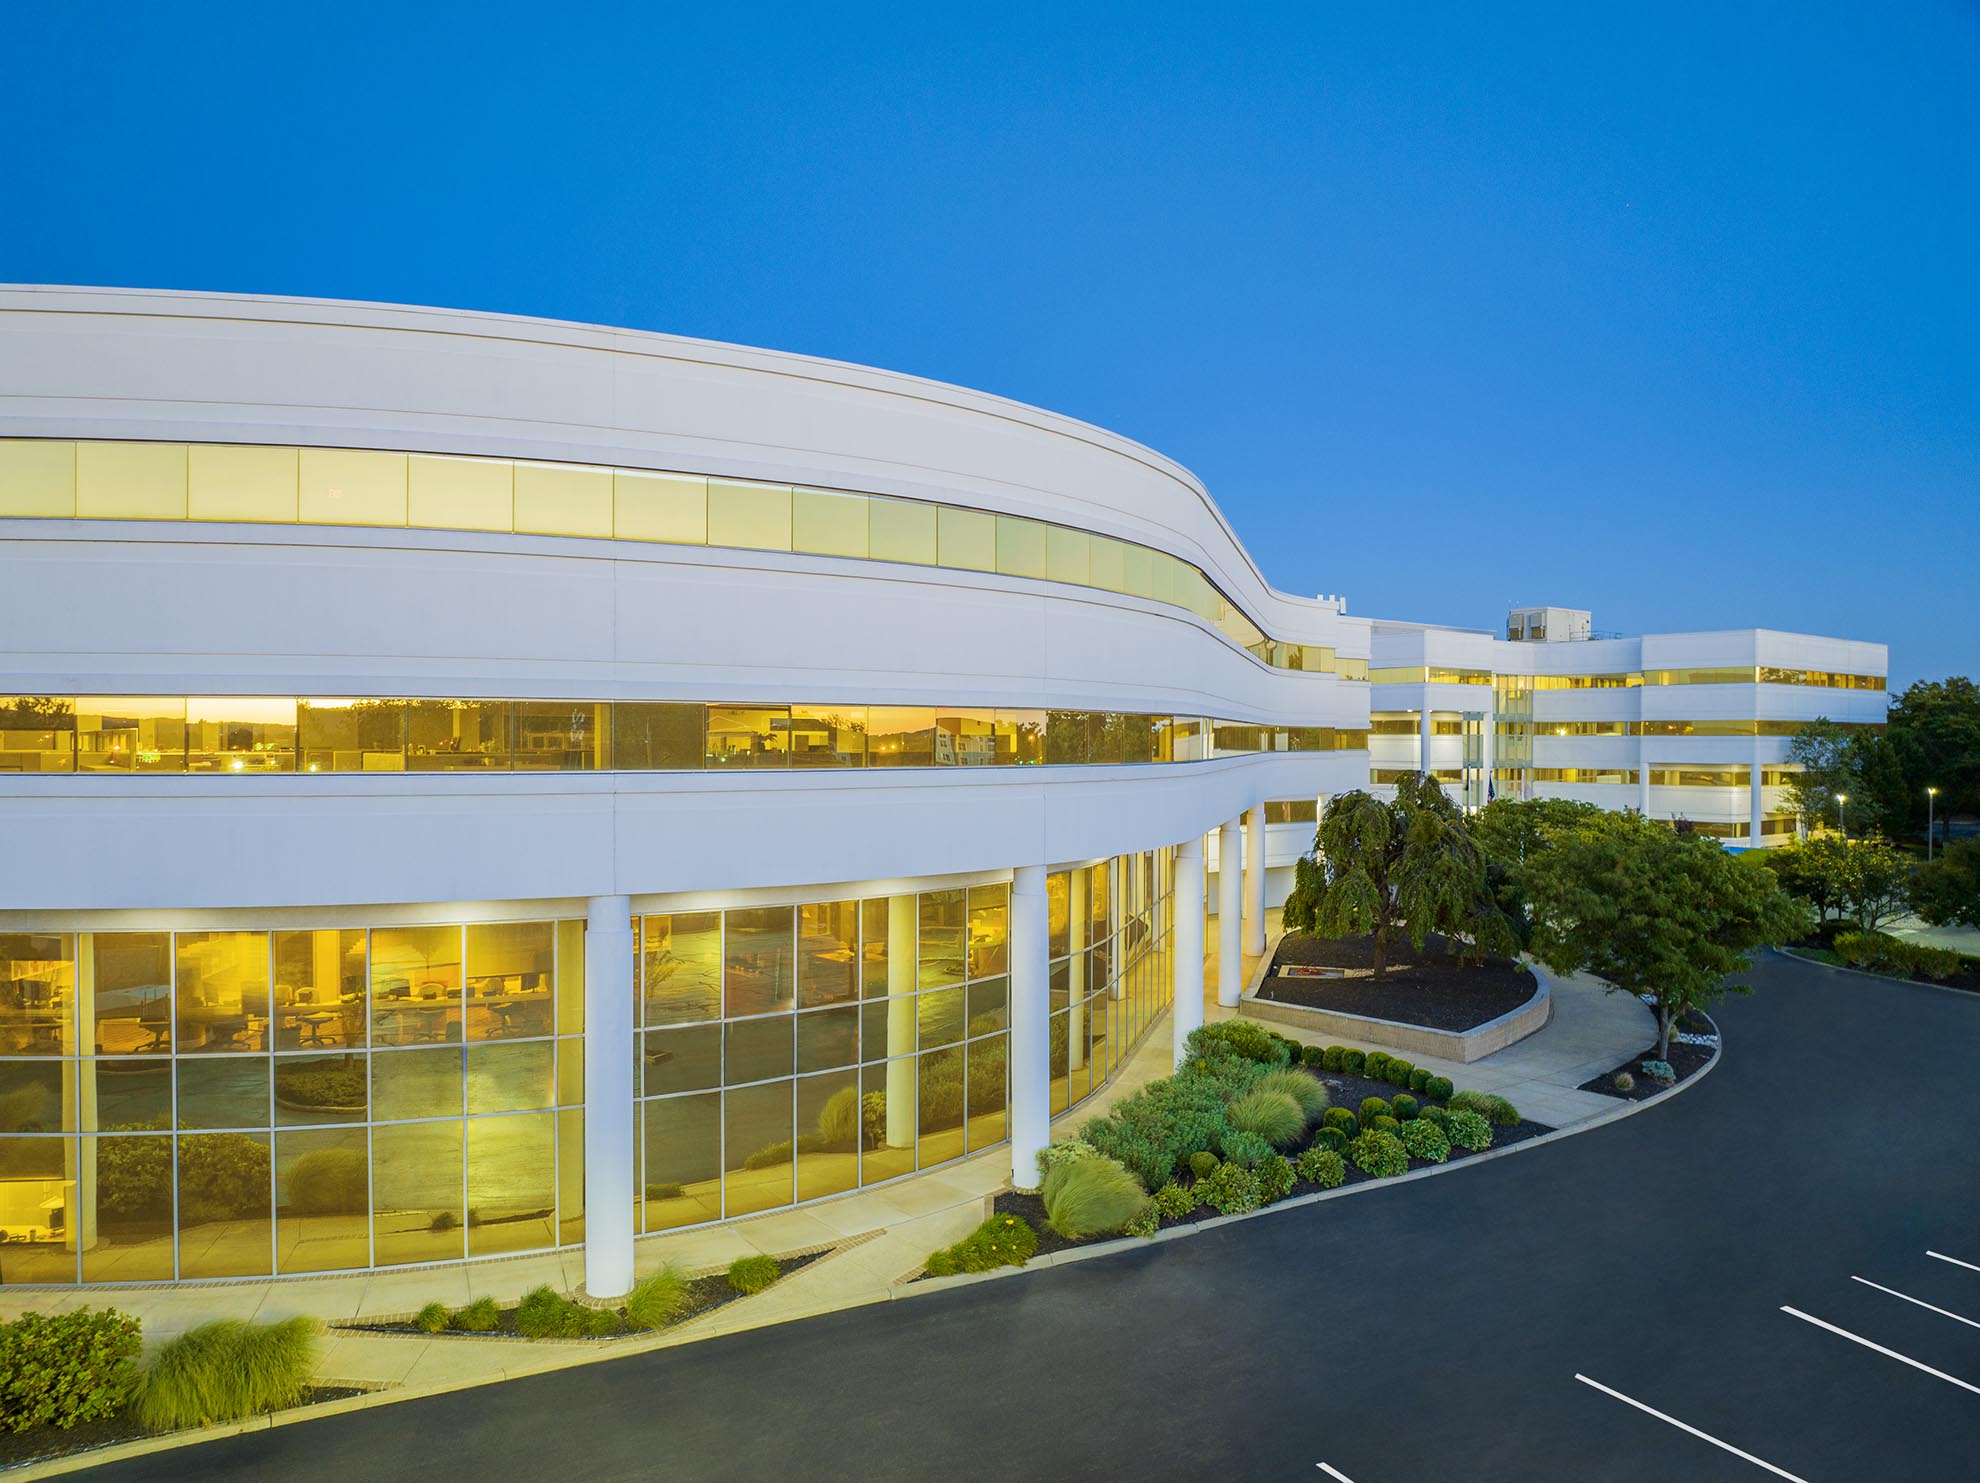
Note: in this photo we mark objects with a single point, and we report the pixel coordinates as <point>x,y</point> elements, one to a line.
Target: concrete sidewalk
<point>875,1237</point>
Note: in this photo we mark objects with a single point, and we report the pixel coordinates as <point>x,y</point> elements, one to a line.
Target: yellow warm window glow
<point>1020,547</point>
<point>755,517</point>
<point>241,483</point>
<point>563,500</point>
<point>461,493</point>
<point>131,481</point>
<point>37,479</point>
<point>347,486</point>
<point>1067,555</point>
<point>966,539</point>
<point>902,530</point>
<point>828,524</point>
<point>661,507</point>
<point>1107,563</point>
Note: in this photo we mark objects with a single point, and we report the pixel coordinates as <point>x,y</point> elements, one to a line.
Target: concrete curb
<point>572,1356</point>
<point>1882,978</point>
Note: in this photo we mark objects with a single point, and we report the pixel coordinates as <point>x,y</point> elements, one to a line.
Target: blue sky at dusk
<point>1668,312</point>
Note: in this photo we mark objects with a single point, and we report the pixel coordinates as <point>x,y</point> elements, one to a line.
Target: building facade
<point>476,785</point>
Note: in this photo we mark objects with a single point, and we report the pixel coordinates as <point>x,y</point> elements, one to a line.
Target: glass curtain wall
<point>789,1053</point>
<point>187,1105</point>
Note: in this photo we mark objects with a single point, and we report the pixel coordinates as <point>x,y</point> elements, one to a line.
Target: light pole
<point>1841,799</point>
<point>1931,798</point>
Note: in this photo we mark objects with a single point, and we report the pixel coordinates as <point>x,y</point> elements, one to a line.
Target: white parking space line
<point>1683,1427</point>
<point>1334,1473</point>
<point>1890,1353</point>
<point>1942,1312</point>
<point>1954,1260</point>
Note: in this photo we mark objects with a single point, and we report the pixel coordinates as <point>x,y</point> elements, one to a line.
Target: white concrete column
<point>903,973</point>
<point>608,1097</point>
<point>1079,920</point>
<point>1757,802</point>
<point>1487,752</point>
<point>1030,1053</point>
<point>1186,901</point>
<point>1254,881</point>
<point>1116,920</point>
<point>1423,736</point>
<point>1230,912</point>
<point>1643,782</point>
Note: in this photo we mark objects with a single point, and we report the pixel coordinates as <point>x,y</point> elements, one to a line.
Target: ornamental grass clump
<point>657,1301</point>
<point>1494,1109</point>
<point>1307,1091</point>
<point>750,1275</point>
<point>1093,1196</point>
<point>1424,1140</point>
<point>225,1370</point>
<point>1322,1166</point>
<point>545,1313</point>
<point>432,1319</point>
<point>1379,1153</point>
<point>63,1369</point>
<point>482,1316</point>
<point>1273,1116</point>
<point>1063,1151</point>
<point>1001,1241</point>
<point>1466,1129</point>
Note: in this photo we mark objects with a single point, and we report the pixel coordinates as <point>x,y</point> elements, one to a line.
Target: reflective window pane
<point>223,1002</point>
<point>681,967</point>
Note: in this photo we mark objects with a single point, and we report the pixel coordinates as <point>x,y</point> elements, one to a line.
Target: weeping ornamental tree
<point>1387,869</point>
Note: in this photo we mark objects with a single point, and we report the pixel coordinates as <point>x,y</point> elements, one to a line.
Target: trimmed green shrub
<point>1001,1241</point>
<point>1063,1151</point>
<point>1273,1116</point>
<point>63,1369</point>
<point>224,1370</point>
<point>1232,1190</point>
<point>1404,1106</point>
<point>656,1301</point>
<point>1315,1057</point>
<point>1174,1201</point>
<point>1290,1046</point>
<point>1468,1129</point>
<point>1419,1080</point>
<point>1659,1071</point>
<point>433,1318</point>
<point>1339,1117</point>
<point>1425,1141</point>
<point>482,1316</point>
<point>1373,1107</point>
<point>1093,1196</point>
<point>1353,1061</point>
<point>1275,1178</point>
<point>1494,1109</point>
<point>1144,1224</point>
<point>1155,1130</point>
<point>1322,1166</point>
<point>1880,952</point>
<point>1332,1139</point>
<point>1439,1087</point>
<point>1307,1091</point>
<point>545,1313</point>
<point>1396,1073</point>
<point>749,1275</point>
<point>1246,1150</point>
<point>1385,1123</point>
<point>1203,1164</point>
<point>1330,1058</point>
<point>1243,1038</point>
<point>1437,1115</point>
<point>1379,1153</point>
<point>1376,1066</point>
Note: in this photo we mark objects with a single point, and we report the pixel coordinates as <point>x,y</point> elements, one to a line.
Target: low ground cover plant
<point>1424,1140</point>
<point>1468,1130</point>
<point>752,1274</point>
<point>64,1369</point>
<point>1001,1241</point>
<point>1322,1166</point>
<point>1379,1153</point>
<point>225,1370</point>
<point>1494,1109</point>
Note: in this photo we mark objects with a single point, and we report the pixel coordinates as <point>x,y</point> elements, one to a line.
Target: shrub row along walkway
<point>880,1236</point>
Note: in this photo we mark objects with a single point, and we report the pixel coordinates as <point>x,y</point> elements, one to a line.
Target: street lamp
<point>1841,799</point>
<point>1931,797</point>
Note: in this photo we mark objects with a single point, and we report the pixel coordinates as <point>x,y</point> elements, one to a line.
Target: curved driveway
<point>1429,1330</point>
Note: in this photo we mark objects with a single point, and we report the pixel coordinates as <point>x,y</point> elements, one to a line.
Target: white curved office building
<point>476,785</point>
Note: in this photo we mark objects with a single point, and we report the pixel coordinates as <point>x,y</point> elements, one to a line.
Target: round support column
<point>1030,1054</point>
<point>1756,803</point>
<point>1254,881</point>
<point>1186,908</point>
<point>608,1097</point>
<point>1230,910</point>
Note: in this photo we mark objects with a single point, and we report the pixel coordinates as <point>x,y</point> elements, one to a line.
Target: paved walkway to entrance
<point>882,1234</point>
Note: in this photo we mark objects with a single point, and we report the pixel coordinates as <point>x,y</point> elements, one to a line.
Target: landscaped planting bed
<point>661,1301</point>
<point>1430,988</point>
<point>1890,957</point>
<point>1250,1119</point>
<point>1694,1041</point>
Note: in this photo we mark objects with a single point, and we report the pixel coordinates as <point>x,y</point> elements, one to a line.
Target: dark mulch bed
<point>39,1444</point>
<point>1686,1060</point>
<point>704,1294</point>
<point>1342,1090</point>
<point>1429,988</point>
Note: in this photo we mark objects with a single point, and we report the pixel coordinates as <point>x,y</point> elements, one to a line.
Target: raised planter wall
<point>1418,1040</point>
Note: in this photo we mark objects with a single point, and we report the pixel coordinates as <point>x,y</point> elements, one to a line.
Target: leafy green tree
<point>1512,831</point>
<point>1387,870</point>
<point>1947,891</point>
<point>1864,881</point>
<point>1824,764</point>
<point>1934,732</point>
<point>1657,913</point>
